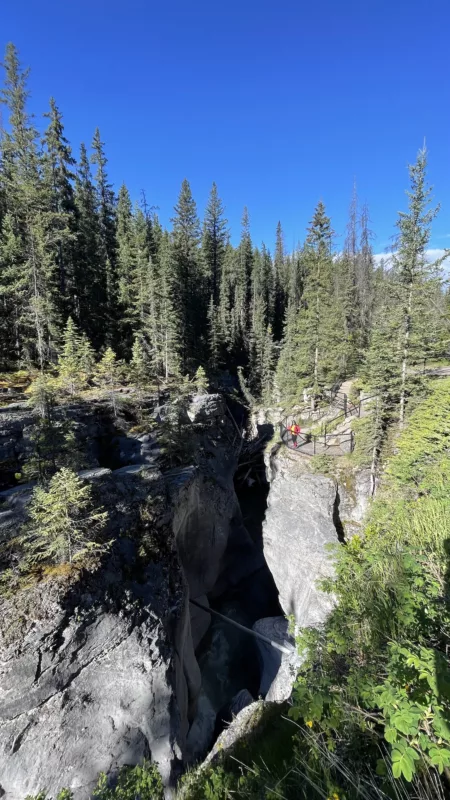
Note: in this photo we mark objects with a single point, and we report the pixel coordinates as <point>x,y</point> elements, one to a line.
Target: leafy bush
<point>376,678</point>
<point>142,782</point>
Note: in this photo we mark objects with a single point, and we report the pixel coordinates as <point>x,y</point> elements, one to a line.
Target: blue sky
<point>281,103</point>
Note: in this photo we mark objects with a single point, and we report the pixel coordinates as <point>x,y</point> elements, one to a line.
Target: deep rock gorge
<point>101,670</point>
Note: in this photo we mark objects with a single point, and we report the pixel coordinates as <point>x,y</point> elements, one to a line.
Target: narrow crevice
<point>337,522</point>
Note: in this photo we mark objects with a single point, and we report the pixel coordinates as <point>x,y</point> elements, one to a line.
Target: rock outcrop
<point>298,527</point>
<point>97,670</point>
<point>278,668</point>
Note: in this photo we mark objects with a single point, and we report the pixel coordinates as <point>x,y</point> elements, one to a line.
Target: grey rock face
<point>98,671</point>
<point>297,528</point>
<point>200,620</point>
<point>201,731</point>
<point>207,408</point>
<point>89,687</point>
<point>354,496</point>
<point>278,669</point>
<point>240,701</point>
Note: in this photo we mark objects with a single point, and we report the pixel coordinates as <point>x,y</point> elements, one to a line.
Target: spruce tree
<point>106,205</point>
<point>201,381</point>
<point>107,374</point>
<point>58,177</point>
<point>214,241</point>
<point>144,282</point>
<point>27,244</point>
<point>189,290</point>
<point>281,289</point>
<point>90,276</point>
<point>139,365</point>
<point>125,251</point>
<point>64,522</point>
<point>75,360</point>
<point>170,319</point>
<point>242,294</point>
<point>320,320</point>
<point>416,278</point>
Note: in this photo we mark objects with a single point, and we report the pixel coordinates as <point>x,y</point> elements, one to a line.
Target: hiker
<point>295,430</point>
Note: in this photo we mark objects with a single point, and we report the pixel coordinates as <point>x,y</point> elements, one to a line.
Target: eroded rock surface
<point>299,525</point>
<point>97,670</point>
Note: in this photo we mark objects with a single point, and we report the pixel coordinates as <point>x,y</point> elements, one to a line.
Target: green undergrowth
<point>371,704</point>
<point>376,683</point>
<point>254,766</point>
<point>142,782</point>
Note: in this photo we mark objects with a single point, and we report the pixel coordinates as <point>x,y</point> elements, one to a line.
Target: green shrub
<point>142,782</point>
<point>376,678</point>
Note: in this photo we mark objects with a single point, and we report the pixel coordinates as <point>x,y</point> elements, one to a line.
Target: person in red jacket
<point>295,430</point>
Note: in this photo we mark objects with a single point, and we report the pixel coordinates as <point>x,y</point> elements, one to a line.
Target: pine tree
<point>170,320</point>
<point>126,256</point>
<point>75,360</point>
<point>139,365</point>
<point>106,375</point>
<point>58,178</point>
<point>90,275</point>
<point>27,281</point>
<point>415,276</point>
<point>185,247</point>
<point>106,204</point>
<point>281,284</point>
<point>201,381</point>
<point>214,241</point>
<point>65,525</point>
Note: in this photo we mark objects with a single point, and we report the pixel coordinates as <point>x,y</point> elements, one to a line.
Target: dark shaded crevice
<point>337,522</point>
<point>37,674</point>
<point>230,660</point>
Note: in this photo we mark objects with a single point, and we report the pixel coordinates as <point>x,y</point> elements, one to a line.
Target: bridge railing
<point>328,441</point>
<point>312,444</point>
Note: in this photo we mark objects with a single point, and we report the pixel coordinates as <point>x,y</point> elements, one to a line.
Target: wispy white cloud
<point>433,254</point>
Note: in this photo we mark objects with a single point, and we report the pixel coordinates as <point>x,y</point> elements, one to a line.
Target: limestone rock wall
<point>298,526</point>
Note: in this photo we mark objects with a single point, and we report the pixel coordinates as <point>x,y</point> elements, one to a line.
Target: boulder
<point>207,409</point>
<point>201,732</point>
<point>278,669</point>
<point>297,529</point>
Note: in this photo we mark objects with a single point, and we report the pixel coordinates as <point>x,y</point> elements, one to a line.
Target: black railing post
<point>314,445</point>
<point>345,404</point>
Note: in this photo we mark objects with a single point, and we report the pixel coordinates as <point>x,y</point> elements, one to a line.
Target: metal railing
<point>328,441</point>
<point>312,444</point>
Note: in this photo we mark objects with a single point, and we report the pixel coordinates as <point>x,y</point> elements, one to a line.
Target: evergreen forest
<point>97,297</point>
<point>78,258</point>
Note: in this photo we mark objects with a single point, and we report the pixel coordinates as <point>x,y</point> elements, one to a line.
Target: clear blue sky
<point>280,102</point>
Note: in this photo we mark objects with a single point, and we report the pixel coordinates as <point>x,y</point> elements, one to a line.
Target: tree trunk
<point>405,355</point>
